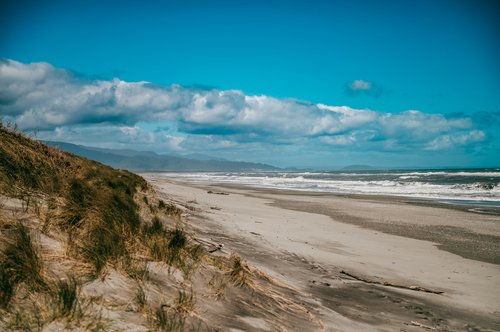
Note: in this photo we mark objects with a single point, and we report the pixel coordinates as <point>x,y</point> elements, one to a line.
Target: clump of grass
<point>175,245</point>
<point>156,227</point>
<point>172,247</point>
<point>78,200</point>
<point>239,274</point>
<point>140,297</point>
<point>103,244</point>
<point>192,256</point>
<point>137,271</point>
<point>197,252</point>
<point>178,239</point>
<point>120,209</point>
<point>185,303</point>
<point>166,320</point>
<point>19,262</point>
<point>67,294</point>
<point>161,204</point>
<point>218,284</point>
<point>169,208</point>
<point>158,247</point>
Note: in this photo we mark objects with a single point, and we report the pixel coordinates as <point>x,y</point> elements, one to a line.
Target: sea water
<point>457,185</point>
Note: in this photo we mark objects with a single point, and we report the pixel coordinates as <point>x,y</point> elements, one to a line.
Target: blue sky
<point>260,80</point>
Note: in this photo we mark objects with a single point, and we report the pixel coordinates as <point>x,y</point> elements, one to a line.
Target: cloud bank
<point>61,105</point>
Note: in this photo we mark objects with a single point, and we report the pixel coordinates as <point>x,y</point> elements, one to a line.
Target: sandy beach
<point>359,262</point>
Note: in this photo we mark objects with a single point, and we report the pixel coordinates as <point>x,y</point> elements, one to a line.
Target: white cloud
<point>40,96</point>
<point>452,140</point>
<point>362,87</point>
<point>357,85</point>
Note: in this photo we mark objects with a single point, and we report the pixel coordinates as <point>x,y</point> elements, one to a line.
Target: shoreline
<point>489,206</point>
<point>310,239</point>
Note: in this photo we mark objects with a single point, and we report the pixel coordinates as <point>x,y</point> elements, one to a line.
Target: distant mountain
<point>201,156</point>
<point>358,168</point>
<point>144,161</point>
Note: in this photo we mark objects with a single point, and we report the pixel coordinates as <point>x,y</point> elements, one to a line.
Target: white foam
<point>297,181</point>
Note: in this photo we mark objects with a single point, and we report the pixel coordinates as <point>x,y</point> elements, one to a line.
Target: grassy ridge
<point>98,207</point>
<point>95,205</point>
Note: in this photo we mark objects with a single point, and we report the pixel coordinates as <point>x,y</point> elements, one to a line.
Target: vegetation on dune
<point>98,208</point>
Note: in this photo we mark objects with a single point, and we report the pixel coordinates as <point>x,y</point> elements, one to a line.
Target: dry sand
<point>313,242</point>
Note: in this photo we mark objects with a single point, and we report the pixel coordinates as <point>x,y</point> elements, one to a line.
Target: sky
<point>319,84</point>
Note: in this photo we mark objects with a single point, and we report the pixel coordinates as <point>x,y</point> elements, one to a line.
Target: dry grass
<point>140,297</point>
<point>239,273</point>
<point>218,283</point>
<point>19,263</point>
<point>167,320</point>
<point>185,303</point>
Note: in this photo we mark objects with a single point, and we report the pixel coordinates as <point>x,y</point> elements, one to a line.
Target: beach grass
<point>19,263</point>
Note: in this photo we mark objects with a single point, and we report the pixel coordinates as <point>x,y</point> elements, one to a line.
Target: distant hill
<point>201,156</point>
<point>358,168</point>
<point>150,161</point>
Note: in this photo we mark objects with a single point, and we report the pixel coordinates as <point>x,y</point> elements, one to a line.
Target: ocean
<point>471,186</point>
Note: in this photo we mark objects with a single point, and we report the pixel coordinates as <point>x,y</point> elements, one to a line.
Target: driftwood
<point>216,192</point>
<point>385,283</point>
<point>219,247</point>
<point>207,243</point>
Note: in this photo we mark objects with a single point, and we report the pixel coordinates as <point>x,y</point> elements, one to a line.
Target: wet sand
<point>339,251</point>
